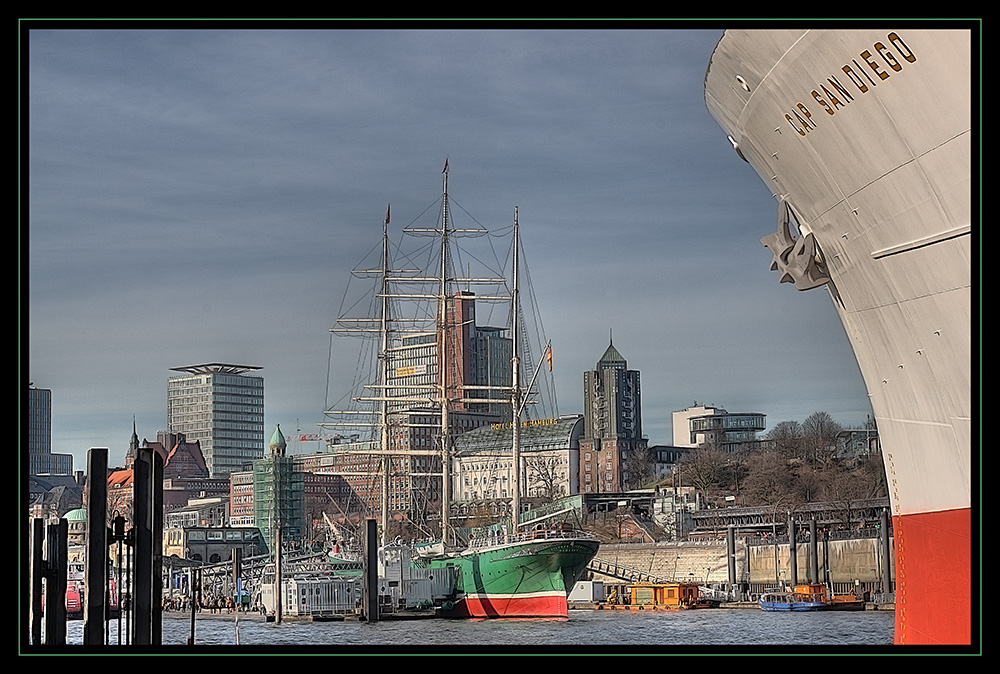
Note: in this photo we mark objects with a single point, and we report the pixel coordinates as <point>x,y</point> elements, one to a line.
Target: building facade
<point>709,425</point>
<point>477,356</point>
<point>222,408</point>
<point>211,544</point>
<point>483,469</point>
<point>612,432</point>
<point>241,513</point>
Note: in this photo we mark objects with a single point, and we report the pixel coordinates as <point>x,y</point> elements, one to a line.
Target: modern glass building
<point>699,424</point>
<point>222,407</point>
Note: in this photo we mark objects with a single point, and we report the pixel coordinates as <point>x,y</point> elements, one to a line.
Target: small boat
<point>800,598</point>
<point>812,597</point>
<point>659,596</point>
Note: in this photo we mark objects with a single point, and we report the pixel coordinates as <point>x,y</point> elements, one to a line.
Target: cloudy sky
<point>201,195</point>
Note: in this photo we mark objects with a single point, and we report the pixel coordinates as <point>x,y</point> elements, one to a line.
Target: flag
<point>387,214</point>
<point>548,357</point>
<point>445,169</point>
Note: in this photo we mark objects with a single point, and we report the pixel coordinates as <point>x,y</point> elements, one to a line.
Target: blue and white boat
<point>801,598</point>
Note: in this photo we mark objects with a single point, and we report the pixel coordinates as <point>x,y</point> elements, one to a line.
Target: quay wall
<point>848,561</point>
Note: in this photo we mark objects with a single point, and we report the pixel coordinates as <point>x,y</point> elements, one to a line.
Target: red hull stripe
<point>510,606</point>
<point>933,577</point>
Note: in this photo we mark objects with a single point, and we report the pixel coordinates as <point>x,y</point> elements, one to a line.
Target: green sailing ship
<point>521,575</point>
<point>507,570</point>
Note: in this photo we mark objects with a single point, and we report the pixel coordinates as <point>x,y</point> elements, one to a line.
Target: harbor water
<point>586,631</point>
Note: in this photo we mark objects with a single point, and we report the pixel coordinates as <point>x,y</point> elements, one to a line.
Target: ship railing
<point>528,536</point>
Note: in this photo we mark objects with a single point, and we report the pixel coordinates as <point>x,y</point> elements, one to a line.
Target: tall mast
<point>398,397</point>
<point>515,399</point>
<point>443,366</point>
<point>384,379</point>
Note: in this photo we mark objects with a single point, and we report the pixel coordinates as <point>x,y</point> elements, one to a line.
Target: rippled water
<point>585,630</point>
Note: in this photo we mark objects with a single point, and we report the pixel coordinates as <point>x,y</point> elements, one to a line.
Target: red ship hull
<point>933,583</point>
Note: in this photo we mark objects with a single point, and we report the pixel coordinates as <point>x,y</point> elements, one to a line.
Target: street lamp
<point>774,533</point>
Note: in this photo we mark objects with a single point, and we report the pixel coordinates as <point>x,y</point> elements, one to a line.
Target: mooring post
<point>156,548</point>
<point>194,588</point>
<point>731,556</point>
<point>237,572</point>
<point>95,579</point>
<point>56,556</point>
<point>118,537</point>
<point>142,526</point>
<point>278,581</point>
<point>37,573</point>
<point>370,593</point>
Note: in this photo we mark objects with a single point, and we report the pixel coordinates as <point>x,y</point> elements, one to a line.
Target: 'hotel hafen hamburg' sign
<point>533,422</point>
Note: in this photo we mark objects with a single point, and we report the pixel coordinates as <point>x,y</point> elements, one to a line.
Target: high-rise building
<point>41,460</point>
<point>612,431</point>
<point>222,408</point>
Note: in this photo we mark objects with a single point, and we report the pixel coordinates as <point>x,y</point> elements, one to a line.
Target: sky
<point>197,194</point>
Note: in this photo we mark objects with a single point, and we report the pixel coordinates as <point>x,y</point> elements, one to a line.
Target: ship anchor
<point>799,260</point>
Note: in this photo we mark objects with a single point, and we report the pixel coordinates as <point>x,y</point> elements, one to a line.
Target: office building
<point>612,432</point>
<point>41,460</point>
<point>222,408</point>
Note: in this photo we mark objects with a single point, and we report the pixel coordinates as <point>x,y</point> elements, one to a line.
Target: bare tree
<point>638,469</point>
<point>787,439</point>
<point>768,478</point>
<point>543,476</point>
<point>704,467</point>
<point>820,438</point>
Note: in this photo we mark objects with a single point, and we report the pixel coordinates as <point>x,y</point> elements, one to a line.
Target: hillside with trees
<point>796,461</point>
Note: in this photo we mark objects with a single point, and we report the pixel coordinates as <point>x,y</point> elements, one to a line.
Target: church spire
<point>133,446</point>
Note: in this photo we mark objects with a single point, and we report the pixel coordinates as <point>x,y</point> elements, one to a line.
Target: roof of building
<point>611,357</point>
<point>76,514</point>
<point>277,439</point>
<point>185,460</point>
<point>120,478</point>
<point>535,435</point>
<point>215,368</point>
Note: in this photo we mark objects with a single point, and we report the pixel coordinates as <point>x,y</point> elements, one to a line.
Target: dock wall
<point>708,561</point>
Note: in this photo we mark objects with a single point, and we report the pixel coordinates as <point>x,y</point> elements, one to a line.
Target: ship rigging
<point>431,368</point>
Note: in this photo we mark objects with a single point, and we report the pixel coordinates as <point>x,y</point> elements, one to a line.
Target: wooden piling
<point>370,589</point>
<point>95,578</point>
<point>56,556</point>
<point>36,572</point>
